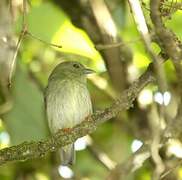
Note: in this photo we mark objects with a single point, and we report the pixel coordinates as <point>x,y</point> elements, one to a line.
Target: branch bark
<point>31,150</point>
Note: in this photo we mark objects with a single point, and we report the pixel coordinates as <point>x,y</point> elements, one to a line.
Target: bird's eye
<point>76,66</point>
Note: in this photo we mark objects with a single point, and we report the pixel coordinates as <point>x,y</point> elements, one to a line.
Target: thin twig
<point>22,34</point>
<point>170,170</point>
<point>45,42</point>
<point>100,47</point>
<point>134,162</point>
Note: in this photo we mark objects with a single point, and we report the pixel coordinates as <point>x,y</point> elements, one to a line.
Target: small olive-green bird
<point>67,101</point>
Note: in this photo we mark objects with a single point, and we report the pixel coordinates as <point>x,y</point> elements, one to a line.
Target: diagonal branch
<point>31,150</point>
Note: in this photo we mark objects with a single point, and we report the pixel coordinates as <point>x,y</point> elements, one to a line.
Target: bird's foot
<point>67,130</point>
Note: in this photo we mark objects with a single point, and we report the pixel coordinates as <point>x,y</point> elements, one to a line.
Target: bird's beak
<point>89,71</point>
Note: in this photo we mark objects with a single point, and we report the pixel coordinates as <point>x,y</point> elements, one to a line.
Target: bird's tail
<point>67,154</point>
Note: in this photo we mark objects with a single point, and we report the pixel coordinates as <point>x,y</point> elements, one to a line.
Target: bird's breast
<point>68,103</point>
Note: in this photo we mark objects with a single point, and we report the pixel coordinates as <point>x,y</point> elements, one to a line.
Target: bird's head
<point>70,69</point>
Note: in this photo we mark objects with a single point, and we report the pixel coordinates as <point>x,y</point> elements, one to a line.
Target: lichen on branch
<point>37,149</point>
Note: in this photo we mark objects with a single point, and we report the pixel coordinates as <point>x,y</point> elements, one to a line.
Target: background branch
<point>134,162</point>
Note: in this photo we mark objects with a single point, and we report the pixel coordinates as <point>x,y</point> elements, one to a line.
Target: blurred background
<point>86,30</point>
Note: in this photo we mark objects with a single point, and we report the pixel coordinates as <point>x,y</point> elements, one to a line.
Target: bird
<point>67,101</point>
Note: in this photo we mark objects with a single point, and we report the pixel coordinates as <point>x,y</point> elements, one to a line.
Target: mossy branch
<point>31,150</point>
